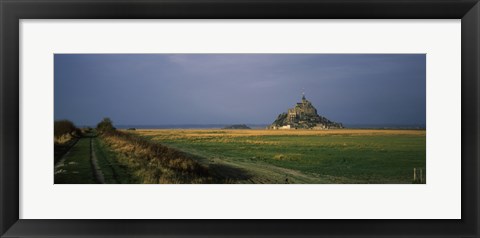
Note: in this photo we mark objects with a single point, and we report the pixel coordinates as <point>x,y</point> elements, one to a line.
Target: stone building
<point>303,116</point>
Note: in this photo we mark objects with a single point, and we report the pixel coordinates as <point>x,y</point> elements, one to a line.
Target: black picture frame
<point>13,10</point>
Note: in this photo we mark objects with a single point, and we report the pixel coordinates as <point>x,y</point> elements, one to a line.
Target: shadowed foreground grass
<point>76,167</point>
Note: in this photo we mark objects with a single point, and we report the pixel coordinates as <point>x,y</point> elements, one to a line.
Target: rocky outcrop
<point>303,116</point>
<point>237,126</point>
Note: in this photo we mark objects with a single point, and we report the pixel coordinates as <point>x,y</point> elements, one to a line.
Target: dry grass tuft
<point>155,163</point>
<point>63,139</point>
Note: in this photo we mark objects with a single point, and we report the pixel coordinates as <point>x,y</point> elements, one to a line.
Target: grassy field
<point>243,156</point>
<point>302,156</point>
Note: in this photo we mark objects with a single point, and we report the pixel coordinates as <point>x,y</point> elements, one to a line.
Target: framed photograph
<point>239,118</point>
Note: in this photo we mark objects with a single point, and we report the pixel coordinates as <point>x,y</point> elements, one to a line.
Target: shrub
<point>105,126</point>
<point>64,127</point>
<point>64,131</point>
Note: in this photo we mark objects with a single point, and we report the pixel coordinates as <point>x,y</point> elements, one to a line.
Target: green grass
<point>326,158</point>
<point>113,170</point>
<point>61,149</point>
<point>76,168</point>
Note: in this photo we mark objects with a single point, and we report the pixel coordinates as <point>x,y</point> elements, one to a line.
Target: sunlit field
<point>301,156</point>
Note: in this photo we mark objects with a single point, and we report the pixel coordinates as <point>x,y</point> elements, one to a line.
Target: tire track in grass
<point>107,162</point>
<point>97,171</point>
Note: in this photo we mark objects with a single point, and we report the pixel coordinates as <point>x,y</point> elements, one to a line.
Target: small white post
<point>421,176</point>
<point>414,175</point>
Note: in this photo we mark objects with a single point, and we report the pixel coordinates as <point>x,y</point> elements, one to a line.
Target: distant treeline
<point>188,126</point>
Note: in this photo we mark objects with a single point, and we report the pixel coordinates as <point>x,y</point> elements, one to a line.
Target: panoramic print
<point>239,119</point>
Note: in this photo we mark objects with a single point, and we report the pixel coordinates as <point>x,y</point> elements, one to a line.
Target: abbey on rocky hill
<point>303,116</point>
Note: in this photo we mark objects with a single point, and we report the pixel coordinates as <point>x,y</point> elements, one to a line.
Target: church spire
<point>303,94</point>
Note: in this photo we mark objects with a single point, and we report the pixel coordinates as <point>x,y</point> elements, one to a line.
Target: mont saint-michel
<point>238,119</point>
<point>303,116</point>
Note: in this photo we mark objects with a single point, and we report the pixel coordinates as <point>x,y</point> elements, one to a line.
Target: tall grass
<point>154,163</point>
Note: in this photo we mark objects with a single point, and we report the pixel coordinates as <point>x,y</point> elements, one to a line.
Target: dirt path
<point>97,171</point>
<point>262,173</point>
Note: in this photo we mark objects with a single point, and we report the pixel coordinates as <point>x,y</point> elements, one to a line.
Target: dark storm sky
<point>166,89</point>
